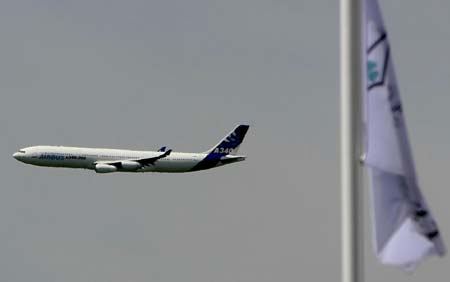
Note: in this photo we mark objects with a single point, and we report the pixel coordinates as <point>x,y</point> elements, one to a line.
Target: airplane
<point>114,160</point>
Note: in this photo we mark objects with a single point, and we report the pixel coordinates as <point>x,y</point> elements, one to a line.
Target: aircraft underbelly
<point>62,163</point>
<point>173,166</point>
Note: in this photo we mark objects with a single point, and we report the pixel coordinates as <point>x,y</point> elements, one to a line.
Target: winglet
<point>166,153</point>
<point>162,149</point>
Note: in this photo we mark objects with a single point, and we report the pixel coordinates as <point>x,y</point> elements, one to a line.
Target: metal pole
<point>352,80</point>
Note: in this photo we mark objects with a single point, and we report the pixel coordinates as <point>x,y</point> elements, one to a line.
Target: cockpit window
<point>22,151</point>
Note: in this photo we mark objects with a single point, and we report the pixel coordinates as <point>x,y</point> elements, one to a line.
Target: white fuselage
<point>88,158</point>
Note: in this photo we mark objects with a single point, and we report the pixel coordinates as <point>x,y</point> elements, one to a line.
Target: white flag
<point>404,229</point>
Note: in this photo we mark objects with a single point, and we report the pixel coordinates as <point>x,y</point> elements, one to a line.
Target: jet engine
<point>130,165</point>
<point>105,168</point>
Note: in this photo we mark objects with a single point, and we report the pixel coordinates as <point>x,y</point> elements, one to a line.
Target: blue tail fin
<point>230,144</point>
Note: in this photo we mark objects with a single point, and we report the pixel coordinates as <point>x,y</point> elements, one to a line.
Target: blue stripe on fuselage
<point>210,161</point>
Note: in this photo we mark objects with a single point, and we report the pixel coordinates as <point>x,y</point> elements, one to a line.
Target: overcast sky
<point>142,74</point>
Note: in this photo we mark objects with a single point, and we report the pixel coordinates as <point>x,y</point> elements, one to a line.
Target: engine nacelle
<point>105,168</point>
<point>130,165</point>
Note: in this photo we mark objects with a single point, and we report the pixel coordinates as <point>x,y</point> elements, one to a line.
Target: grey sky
<point>143,74</point>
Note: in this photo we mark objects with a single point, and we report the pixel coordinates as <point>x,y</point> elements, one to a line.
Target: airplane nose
<point>17,155</point>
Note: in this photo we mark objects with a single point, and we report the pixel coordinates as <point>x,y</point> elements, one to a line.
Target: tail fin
<point>230,144</point>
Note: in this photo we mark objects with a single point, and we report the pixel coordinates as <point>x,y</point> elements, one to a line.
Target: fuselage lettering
<point>51,157</point>
<point>223,150</point>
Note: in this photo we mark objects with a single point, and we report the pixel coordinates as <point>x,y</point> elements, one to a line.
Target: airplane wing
<point>135,164</point>
<point>152,160</point>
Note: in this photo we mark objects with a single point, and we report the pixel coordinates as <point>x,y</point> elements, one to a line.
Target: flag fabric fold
<point>405,231</point>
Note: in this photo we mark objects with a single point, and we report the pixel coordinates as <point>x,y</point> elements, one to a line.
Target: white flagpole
<point>352,14</point>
